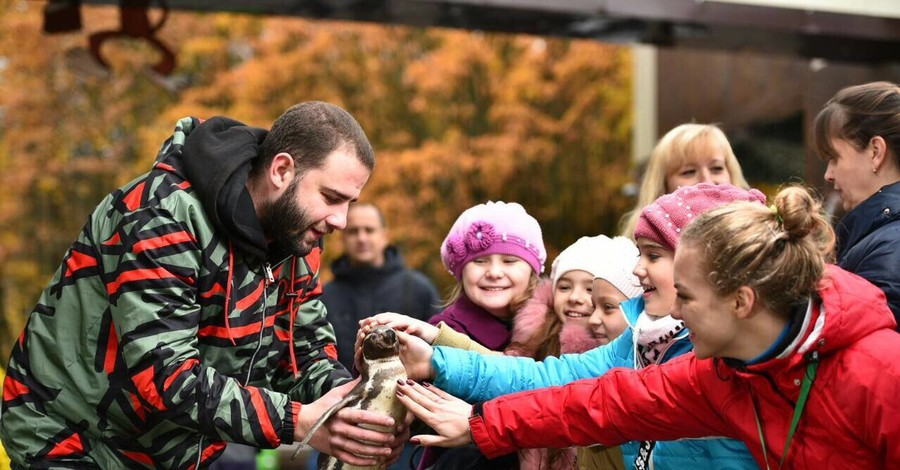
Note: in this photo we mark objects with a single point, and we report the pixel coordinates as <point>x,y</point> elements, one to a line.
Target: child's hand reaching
<point>446,414</point>
<point>415,353</point>
<point>402,323</point>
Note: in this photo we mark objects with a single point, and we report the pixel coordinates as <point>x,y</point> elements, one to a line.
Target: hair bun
<point>798,211</point>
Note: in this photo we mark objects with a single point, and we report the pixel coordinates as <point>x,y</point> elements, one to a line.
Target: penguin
<point>377,391</point>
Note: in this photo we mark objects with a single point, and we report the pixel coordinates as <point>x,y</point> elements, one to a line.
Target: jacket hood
<point>846,309</point>
<point>574,339</point>
<point>879,209</point>
<point>345,271</point>
<point>528,324</point>
<point>216,159</point>
<point>854,308</point>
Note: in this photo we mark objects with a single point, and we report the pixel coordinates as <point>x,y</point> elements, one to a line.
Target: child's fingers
<point>403,337</point>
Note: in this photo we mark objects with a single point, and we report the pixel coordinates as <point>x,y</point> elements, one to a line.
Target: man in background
<point>369,278</point>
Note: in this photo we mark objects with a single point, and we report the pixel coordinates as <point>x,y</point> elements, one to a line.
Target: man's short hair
<point>311,131</point>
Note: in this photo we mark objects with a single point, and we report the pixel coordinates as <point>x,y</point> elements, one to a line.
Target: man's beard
<point>285,223</point>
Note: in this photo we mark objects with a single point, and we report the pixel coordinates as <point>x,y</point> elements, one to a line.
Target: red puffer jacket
<point>851,419</point>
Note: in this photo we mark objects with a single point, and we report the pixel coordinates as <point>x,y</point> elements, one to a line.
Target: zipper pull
<point>270,278</point>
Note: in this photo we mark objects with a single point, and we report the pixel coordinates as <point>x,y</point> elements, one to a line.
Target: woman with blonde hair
<point>795,357</point>
<point>686,155</point>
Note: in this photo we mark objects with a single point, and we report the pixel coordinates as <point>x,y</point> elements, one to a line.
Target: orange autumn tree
<point>543,122</point>
<point>456,118</point>
<point>68,136</point>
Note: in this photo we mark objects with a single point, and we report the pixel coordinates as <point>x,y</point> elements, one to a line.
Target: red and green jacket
<point>157,340</point>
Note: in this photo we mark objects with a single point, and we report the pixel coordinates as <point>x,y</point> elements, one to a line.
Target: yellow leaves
<point>456,118</point>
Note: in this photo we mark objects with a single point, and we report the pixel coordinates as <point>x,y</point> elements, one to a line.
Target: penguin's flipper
<point>354,394</point>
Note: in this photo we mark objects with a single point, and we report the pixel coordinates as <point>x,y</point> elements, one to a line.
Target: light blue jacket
<point>475,377</point>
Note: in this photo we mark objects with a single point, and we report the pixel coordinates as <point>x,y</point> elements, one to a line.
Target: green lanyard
<point>808,379</point>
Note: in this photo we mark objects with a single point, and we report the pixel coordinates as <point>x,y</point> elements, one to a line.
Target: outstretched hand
<point>404,323</point>
<point>415,353</point>
<point>446,414</point>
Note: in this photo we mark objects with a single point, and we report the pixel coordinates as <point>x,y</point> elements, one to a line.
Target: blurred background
<point>554,105</point>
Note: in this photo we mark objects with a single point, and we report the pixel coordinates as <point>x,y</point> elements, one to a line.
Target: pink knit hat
<point>664,219</point>
<point>495,227</point>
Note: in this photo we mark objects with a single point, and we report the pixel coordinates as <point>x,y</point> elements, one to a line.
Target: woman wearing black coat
<point>858,133</point>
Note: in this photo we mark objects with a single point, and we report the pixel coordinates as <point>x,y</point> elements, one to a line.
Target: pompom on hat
<point>665,219</point>
<point>612,259</point>
<point>493,228</point>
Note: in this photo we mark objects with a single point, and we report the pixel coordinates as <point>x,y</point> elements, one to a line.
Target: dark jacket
<point>869,243</point>
<point>168,329</point>
<point>359,292</point>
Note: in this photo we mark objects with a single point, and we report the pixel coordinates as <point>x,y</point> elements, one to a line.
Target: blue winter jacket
<point>474,377</point>
<point>869,243</point>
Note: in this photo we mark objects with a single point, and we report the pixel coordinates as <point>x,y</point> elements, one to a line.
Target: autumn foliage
<point>456,118</point>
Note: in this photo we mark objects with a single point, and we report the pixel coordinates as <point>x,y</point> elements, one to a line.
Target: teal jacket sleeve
<point>475,377</point>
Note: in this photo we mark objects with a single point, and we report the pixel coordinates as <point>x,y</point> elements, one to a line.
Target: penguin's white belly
<point>377,393</point>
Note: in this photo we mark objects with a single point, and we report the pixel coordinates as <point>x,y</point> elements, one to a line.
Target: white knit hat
<point>616,266</point>
<point>585,254</point>
<point>612,259</point>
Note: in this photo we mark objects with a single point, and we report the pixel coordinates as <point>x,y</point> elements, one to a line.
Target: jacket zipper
<point>270,279</point>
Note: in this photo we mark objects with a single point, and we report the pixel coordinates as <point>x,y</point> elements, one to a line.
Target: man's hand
<point>444,413</point>
<point>341,436</point>
<point>401,437</point>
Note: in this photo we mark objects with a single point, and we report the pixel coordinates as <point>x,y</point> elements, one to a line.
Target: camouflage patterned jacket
<point>159,339</point>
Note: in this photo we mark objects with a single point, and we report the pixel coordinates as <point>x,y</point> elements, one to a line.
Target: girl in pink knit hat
<point>496,253</point>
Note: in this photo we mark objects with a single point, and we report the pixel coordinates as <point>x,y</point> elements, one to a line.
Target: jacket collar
<point>879,209</point>
<point>632,308</point>
<point>850,309</point>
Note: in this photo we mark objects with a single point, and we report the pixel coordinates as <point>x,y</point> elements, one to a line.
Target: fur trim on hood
<point>529,323</point>
<point>576,339</point>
